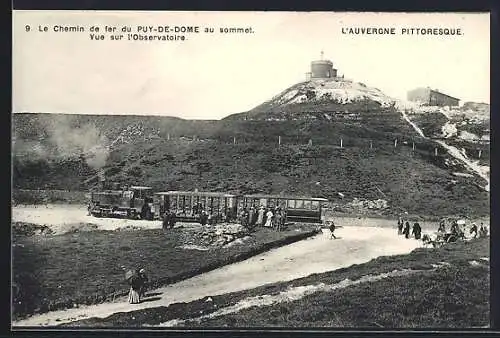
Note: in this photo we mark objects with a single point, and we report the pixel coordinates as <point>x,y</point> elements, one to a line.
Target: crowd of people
<point>252,217</point>
<point>404,229</point>
<point>169,219</point>
<point>455,230</point>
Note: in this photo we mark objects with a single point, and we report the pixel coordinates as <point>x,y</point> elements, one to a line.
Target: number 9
<point>28,28</point>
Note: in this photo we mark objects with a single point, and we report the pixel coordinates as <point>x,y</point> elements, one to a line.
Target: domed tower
<point>322,69</point>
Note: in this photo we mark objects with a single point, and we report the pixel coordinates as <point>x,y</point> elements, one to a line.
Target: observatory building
<point>432,97</point>
<point>321,69</point>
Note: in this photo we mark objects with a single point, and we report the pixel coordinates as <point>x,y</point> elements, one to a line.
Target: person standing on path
<point>251,217</point>
<point>483,231</point>
<point>406,230</point>
<point>400,226</point>
<point>269,219</point>
<point>166,220</point>
<point>172,220</point>
<point>135,288</point>
<point>417,230</point>
<point>144,282</point>
<point>332,230</point>
<point>277,219</point>
<point>442,226</point>
<point>260,217</point>
<point>203,218</point>
<point>473,230</point>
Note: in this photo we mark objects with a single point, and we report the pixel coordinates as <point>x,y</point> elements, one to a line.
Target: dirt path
<point>318,254</point>
<point>61,218</point>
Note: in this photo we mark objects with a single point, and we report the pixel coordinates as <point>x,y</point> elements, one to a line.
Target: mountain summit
<point>329,90</point>
<point>325,95</point>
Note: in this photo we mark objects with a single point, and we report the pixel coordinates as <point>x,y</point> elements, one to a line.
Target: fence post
<point>413,146</point>
<point>168,137</point>
<point>234,139</point>
<point>371,144</point>
<point>341,143</point>
<point>479,153</point>
<point>436,151</point>
<point>395,143</point>
<point>279,140</point>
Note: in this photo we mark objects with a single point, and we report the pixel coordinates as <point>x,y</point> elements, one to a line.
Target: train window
<point>291,204</point>
<point>315,205</point>
<point>299,204</point>
<point>272,203</point>
<point>263,202</point>
<point>307,205</point>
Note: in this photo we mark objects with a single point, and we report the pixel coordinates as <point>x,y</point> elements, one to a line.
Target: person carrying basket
<point>135,282</point>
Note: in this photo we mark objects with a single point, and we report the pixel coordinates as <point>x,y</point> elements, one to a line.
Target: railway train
<point>135,202</point>
<point>141,202</point>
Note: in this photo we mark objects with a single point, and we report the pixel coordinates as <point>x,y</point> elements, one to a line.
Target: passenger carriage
<point>298,209</point>
<point>188,205</point>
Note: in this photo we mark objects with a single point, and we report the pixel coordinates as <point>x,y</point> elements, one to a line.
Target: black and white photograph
<point>202,170</point>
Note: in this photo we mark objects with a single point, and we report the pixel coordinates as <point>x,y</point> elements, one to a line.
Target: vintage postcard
<point>184,170</point>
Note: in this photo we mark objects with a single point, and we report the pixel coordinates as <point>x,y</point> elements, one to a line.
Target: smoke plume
<point>71,142</point>
<point>60,137</point>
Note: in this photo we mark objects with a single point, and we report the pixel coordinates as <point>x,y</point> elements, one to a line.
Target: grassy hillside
<point>456,295</point>
<point>169,153</point>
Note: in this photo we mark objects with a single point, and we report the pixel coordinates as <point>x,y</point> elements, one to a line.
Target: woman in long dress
<point>260,217</point>
<point>269,219</point>
<point>135,287</point>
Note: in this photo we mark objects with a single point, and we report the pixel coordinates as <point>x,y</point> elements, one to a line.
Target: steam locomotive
<point>135,202</point>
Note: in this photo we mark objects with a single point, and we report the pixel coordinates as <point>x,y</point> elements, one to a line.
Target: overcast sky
<point>212,76</point>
